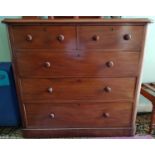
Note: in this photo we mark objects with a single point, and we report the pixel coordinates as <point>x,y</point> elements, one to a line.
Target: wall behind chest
<point>149,61</point>
<point>4,44</point>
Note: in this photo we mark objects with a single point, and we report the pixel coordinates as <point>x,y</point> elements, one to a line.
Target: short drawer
<point>111,37</point>
<point>43,37</point>
<point>78,115</point>
<point>59,89</point>
<point>77,64</point>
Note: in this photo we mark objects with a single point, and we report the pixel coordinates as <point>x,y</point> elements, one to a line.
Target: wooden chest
<point>77,77</point>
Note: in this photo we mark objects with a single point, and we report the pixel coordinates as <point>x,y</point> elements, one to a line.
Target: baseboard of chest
<point>61,133</point>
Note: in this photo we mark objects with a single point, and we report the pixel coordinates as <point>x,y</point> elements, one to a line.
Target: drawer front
<point>77,64</point>
<point>78,115</point>
<point>44,37</point>
<point>104,89</point>
<point>111,37</point>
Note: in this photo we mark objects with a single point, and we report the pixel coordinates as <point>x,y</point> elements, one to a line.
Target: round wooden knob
<point>96,38</point>
<point>127,37</point>
<point>110,64</point>
<point>29,37</point>
<point>47,64</point>
<point>108,89</point>
<point>52,115</point>
<point>106,114</point>
<point>61,37</point>
<point>50,90</point>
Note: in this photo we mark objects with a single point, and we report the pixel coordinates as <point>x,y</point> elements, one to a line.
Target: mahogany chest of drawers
<point>77,77</point>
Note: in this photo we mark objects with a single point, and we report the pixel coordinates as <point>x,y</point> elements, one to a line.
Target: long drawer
<point>77,64</point>
<point>44,37</point>
<point>111,37</point>
<point>78,115</point>
<point>59,89</point>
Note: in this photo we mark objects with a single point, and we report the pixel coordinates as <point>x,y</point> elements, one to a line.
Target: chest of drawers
<point>77,77</point>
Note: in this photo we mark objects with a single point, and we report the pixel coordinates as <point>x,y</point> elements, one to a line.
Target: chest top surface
<point>141,21</point>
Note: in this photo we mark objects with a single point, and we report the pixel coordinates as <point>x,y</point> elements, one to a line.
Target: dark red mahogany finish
<point>77,76</point>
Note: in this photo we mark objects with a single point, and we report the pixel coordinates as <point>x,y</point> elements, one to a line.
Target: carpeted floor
<point>143,122</point>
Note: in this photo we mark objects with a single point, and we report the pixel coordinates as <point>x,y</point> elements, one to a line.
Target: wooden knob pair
<point>125,37</point>
<point>106,115</point>
<point>30,38</point>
